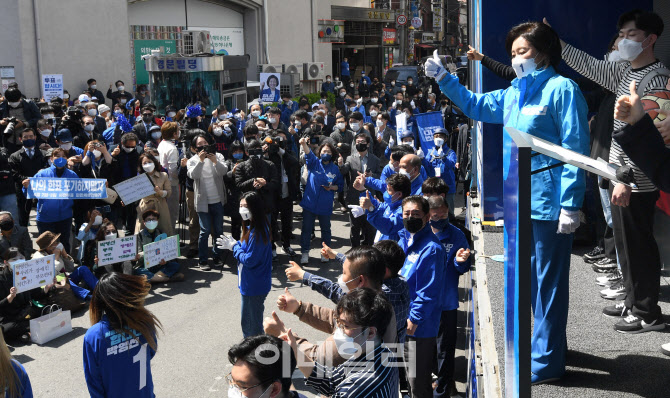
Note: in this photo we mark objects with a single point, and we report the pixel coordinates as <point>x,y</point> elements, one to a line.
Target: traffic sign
<point>417,22</point>
<point>401,19</point>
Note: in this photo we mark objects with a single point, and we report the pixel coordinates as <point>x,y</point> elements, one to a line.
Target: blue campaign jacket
<point>287,111</point>
<point>316,199</point>
<point>452,239</point>
<point>254,268</point>
<point>446,163</point>
<point>112,363</point>
<point>380,185</point>
<point>547,106</point>
<point>424,273</point>
<point>386,218</point>
<point>52,210</point>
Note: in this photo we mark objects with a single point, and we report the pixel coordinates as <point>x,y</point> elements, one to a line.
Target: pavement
<point>200,321</point>
<point>600,361</point>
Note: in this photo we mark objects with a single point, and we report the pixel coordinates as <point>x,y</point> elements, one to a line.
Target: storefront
<point>370,40</point>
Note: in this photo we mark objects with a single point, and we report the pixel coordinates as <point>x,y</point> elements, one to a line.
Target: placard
<point>66,188</point>
<point>427,123</point>
<point>226,41</point>
<point>400,125</point>
<point>34,273</point>
<point>166,249</point>
<point>135,188</point>
<point>52,86</point>
<point>269,87</point>
<point>117,250</point>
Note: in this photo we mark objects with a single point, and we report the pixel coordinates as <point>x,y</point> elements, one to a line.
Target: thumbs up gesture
<point>273,325</point>
<point>340,161</point>
<point>434,68</point>
<point>287,303</point>
<point>365,201</point>
<point>294,272</point>
<point>628,108</point>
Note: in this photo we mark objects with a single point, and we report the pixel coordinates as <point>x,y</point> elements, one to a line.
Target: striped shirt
<point>371,375</point>
<point>616,77</point>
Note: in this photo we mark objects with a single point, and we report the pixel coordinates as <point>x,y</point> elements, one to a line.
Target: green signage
<point>143,47</point>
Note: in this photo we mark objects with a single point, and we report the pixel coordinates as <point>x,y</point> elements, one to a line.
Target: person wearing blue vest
<point>323,180</point>
<point>440,162</point>
<point>457,263</point>
<point>542,103</point>
<point>253,253</point>
<point>424,273</point>
<point>386,217</point>
<point>118,348</point>
<point>55,215</point>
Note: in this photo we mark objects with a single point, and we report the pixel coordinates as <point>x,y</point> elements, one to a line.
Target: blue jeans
<point>85,274</point>
<point>252,315</point>
<point>308,220</point>
<point>169,269</point>
<point>8,203</point>
<point>211,221</point>
<point>62,227</point>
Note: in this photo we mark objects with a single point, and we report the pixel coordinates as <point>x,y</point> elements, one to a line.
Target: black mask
<point>147,119</point>
<point>412,224</point>
<point>7,225</point>
<point>361,147</point>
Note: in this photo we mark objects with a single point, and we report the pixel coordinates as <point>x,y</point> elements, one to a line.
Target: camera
<point>210,149</point>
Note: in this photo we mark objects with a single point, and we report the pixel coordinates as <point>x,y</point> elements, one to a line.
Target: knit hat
<point>102,108</point>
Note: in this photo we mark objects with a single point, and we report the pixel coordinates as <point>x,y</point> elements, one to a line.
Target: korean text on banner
<point>400,125</point>
<point>166,249</point>
<point>135,188</point>
<point>66,188</point>
<point>117,250</point>
<point>427,124</point>
<point>34,273</point>
<point>52,86</point>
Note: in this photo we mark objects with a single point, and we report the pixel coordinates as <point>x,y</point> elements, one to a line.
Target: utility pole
<point>402,34</point>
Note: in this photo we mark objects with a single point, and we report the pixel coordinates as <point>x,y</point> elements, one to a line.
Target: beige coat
<point>157,202</point>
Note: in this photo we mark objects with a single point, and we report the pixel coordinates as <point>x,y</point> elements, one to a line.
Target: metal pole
<point>402,35</point>
<point>186,15</point>
<point>38,47</point>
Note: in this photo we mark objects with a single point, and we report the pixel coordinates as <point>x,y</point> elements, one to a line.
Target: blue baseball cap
<point>64,135</point>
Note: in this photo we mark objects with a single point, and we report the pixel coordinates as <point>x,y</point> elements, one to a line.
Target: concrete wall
<point>172,13</point>
<point>75,44</point>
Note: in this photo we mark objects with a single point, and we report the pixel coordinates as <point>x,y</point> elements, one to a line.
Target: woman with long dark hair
<point>118,348</point>
<point>254,255</point>
<point>14,380</point>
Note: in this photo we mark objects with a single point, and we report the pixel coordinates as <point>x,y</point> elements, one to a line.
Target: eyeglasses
<point>231,382</point>
<point>90,123</point>
<point>346,328</point>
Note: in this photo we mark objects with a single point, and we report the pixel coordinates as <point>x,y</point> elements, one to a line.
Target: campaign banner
<point>427,124</point>
<point>52,86</point>
<point>135,188</point>
<point>66,188</point>
<point>34,273</point>
<point>165,249</point>
<point>269,87</point>
<point>117,250</point>
<point>400,126</point>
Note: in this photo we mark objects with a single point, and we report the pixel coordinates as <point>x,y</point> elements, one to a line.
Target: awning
<point>425,45</point>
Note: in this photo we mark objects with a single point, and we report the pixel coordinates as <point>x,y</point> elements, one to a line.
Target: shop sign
<point>379,15</point>
<point>428,37</point>
<point>417,22</point>
<point>389,36</point>
<point>437,16</point>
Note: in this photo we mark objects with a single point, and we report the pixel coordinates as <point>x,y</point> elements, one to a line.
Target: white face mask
<point>217,132</point>
<point>523,66</point>
<point>373,113</point>
<point>172,114</point>
<point>630,49</point>
<point>245,213</point>
<point>14,104</point>
<point>94,86</point>
<point>403,89</point>
<point>151,224</point>
<point>439,141</point>
<point>410,82</point>
<point>89,127</point>
<point>379,123</point>
<point>156,135</point>
<point>123,100</point>
<point>374,100</point>
<point>111,236</point>
<point>346,345</point>
<point>340,126</point>
<point>272,120</point>
<point>149,167</point>
<point>60,246</point>
<point>410,143</point>
<point>66,96</point>
<point>48,116</point>
<point>355,126</point>
<point>297,124</point>
<point>343,284</point>
<point>45,132</point>
<point>92,112</point>
<point>342,94</point>
<point>328,80</point>
<point>405,173</point>
<point>97,153</point>
<point>255,113</point>
<point>67,146</point>
<point>614,56</point>
<point>235,393</point>
<point>120,88</point>
<point>222,117</point>
<point>97,221</point>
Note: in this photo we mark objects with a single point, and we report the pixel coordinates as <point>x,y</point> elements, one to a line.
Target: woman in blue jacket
<point>254,255</point>
<point>118,348</point>
<point>323,180</point>
<point>542,103</point>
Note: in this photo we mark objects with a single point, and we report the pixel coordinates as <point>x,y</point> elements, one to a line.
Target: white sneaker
<point>304,259</point>
<point>324,259</point>
<point>665,348</point>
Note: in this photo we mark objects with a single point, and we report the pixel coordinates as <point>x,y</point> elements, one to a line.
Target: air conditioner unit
<point>270,68</point>
<point>197,42</point>
<point>290,83</point>
<point>294,68</point>
<point>314,71</point>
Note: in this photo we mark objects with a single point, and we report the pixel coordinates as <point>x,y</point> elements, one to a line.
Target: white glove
<point>568,221</point>
<point>225,242</point>
<point>434,68</point>
<point>391,142</point>
<point>356,211</point>
<point>412,103</point>
<point>420,154</point>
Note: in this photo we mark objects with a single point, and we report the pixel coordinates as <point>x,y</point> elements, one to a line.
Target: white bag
<point>50,326</point>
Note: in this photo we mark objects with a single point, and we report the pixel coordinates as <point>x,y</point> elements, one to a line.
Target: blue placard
<point>427,124</point>
<point>67,188</point>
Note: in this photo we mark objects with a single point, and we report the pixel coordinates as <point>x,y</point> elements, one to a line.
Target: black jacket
<point>17,309</point>
<point>126,165</point>
<point>24,167</point>
<point>6,180</point>
<point>253,168</point>
<point>116,96</point>
<point>31,113</point>
<point>140,130</point>
<point>99,95</point>
<point>291,166</point>
<point>81,139</point>
<point>645,147</point>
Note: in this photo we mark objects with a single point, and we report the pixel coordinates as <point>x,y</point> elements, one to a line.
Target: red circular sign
<point>401,19</point>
